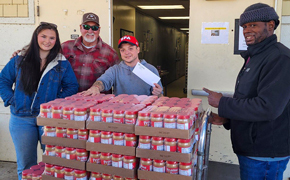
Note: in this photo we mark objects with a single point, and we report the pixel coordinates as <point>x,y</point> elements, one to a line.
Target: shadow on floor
<point>223,171</point>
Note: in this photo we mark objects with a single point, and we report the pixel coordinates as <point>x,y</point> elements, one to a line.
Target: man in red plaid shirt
<point>89,56</point>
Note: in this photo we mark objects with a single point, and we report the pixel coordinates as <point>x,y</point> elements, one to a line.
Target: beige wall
<point>15,33</point>
<point>124,19</point>
<point>286,8</point>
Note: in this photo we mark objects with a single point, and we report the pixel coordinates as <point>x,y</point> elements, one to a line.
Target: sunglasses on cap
<point>88,27</point>
<point>47,23</point>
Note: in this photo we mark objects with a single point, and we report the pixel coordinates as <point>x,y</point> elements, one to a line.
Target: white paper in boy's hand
<point>145,74</point>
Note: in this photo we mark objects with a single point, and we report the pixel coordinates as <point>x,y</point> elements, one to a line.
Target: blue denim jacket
<point>57,81</point>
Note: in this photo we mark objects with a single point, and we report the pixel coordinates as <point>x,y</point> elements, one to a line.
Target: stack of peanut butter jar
<point>124,137</point>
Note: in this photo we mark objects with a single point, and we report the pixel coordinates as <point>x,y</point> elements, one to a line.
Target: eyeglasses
<point>88,27</point>
<point>47,23</point>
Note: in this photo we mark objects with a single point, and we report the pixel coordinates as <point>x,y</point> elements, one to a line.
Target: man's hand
<point>216,119</point>
<point>94,90</point>
<point>15,53</point>
<point>213,97</point>
<point>157,90</point>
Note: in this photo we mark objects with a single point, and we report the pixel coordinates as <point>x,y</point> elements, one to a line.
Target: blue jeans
<point>251,169</point>
<point>25,135</point>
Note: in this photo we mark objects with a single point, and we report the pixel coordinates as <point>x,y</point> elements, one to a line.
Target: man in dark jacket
<point>259,113</point>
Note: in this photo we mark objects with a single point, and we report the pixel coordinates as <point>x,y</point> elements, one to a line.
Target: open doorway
<point>163,42</point>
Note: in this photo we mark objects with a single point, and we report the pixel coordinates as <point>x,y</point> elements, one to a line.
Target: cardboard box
<point>164,132</point>
<point>115,127</point>
<point>64,162</point>
<point>61,123</point>
<point>161,176</point>
<point>115,149</point>
<point>66,142</point>
<point>46,177</point>
<point>125,173</point>
<point>164,155</point>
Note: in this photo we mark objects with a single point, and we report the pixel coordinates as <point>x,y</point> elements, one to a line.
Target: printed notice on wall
<point>242,42</point>
<point>215,33</point>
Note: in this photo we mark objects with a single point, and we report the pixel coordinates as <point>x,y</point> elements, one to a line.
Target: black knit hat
<point>259,12</point>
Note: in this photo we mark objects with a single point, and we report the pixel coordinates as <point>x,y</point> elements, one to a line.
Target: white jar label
<point>117,164</point>
<point>50,134</point>
<point>118,142</point>
<point>106,141</point>
<point>159,169</point>
<point>186,172</point>
<point>182,126</point>
<point>157,124</point>
<point>80,118</point>
<point>97,118</point>
<point>68,177</point>
<point>170,125</point>
<point>144,145</point>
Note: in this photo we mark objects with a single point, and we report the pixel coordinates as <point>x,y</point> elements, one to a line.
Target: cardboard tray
<point>66,142</point>
<point>64,162</point>
<point>115,127</point>
<point>164,155</point>
<point>161,176</point>
<point>164,132</point>
<point>115,149</point>
<point>126,173</point>
<point>61,123</point>
<point>46,177</point>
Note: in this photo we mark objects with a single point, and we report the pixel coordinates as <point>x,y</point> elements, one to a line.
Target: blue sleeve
<point>7,79</point>
<point>108,78</point>
<point>69,83</point>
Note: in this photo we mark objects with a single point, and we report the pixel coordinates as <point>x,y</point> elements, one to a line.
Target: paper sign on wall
<point>215,33</point>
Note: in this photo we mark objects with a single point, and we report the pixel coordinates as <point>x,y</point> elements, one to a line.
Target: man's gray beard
<point>89,40</point>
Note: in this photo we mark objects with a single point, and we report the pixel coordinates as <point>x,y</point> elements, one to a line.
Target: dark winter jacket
<point>259,112</point>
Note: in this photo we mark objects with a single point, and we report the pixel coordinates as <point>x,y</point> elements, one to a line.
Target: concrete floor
<point>8,171</point>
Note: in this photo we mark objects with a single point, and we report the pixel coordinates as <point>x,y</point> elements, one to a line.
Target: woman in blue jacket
<point>40,74</point>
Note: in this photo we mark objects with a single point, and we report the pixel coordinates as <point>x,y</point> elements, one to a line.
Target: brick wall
<point>13,8</point>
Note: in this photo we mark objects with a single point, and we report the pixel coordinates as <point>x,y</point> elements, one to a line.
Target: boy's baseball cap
<point>128,39</point>
<point>90,17</point>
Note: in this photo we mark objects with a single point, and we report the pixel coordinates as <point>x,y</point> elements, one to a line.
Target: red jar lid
<point>117,155</point>
<point>106,132</point>
<point>118,134</point>
<point>183,116</point>
<point>106,175</point>
<point>80,109</point>
<point>69,148</point>
<point>107,110</point>
<point>81,150</point>
<point>130,135</point>
<point>83,130</point>
<point>184,140</point>
<point>95,109</point>
<point>158,161</point>
<point>27,172</point>
<point>185,164</point>
<point>144,114</point>
<point>60,128</point>
<point>157,138</point>
<point>68,169</point>
<point>95,152</point>
<point>77,171</point>
<point>56,107</point>
<point>170,139</point>
<point>59,147</point>
<point>45,106</point>
<point>50,146</point>
<point>48,165</point>
<point>35,167</point>
<point>68,108</point>
<point>171,162</point>
<point>71,129</point>
<point>58,167</point>
<point>170,115</point>
<point>117,176</point>
<point>37,173</point>
<point>157,114</point>
<point>144,137</point>
<point>95,131</point>
<point>145,159</point>
<point>95,173</point>
<point>105,154</point>
<point>41,163</point>
<point>131,112</point>
<point>49,127</point>
<point>119,112</point>
<point>129,157</point>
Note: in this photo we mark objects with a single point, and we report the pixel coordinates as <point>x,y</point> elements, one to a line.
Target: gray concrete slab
<point>8,170</point>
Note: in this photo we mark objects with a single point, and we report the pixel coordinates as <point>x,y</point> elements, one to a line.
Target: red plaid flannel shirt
<point>88,67</point>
